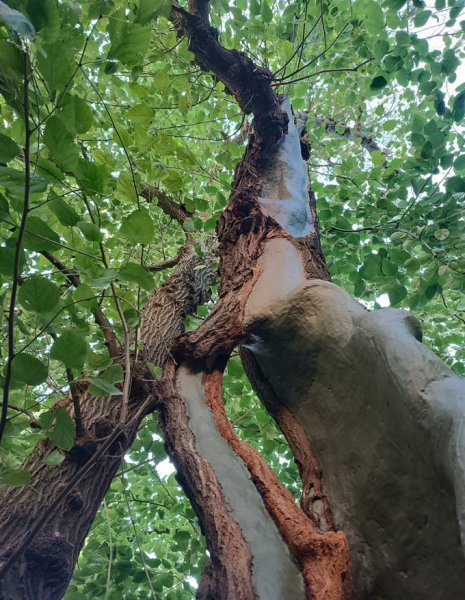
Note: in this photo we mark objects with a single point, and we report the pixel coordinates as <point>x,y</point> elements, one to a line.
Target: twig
<point>338,70</point>
<point>299,69</point>
<point>110,543</point>
<point>18,248</point>
<point>76,403</point>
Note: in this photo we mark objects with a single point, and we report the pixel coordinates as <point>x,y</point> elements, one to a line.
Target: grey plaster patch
<point>282,271</point>
<point>386,418</point>
<point>285,183</point>
<point>275,575</point>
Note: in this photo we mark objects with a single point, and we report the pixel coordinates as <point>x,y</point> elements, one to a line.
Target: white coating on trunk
<point>275,575</point>
<point>285,183</point>
<point>386,418</point>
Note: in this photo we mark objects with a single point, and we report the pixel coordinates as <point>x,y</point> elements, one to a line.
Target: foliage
<point>116,102</point>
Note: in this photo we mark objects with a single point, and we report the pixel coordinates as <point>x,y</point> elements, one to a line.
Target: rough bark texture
<point>38,563</point>
<point>262,545</point>
<point>230,570</point>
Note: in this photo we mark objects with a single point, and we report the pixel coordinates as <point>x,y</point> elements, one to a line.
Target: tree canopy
<point>114,128</point>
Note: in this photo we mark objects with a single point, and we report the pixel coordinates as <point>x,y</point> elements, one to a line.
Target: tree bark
<point>43,525</point>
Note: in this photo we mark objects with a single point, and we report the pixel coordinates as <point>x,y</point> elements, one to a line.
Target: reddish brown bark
<point>323,557</point>
<point>299,443</point>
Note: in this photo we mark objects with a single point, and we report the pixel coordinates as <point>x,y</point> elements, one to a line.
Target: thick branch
<point>248,83</point>
<point>166,264</point>
<point>44,525</point>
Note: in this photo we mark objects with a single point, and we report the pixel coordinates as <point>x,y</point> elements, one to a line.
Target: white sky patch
<point>165,468</point>
<point>383,300</point>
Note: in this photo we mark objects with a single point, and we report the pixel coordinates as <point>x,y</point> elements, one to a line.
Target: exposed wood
<point>323,557</point>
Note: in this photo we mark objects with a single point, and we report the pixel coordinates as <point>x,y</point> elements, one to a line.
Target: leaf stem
<point>18,247</point>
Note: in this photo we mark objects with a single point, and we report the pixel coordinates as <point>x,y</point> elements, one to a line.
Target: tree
<point>103,191</point>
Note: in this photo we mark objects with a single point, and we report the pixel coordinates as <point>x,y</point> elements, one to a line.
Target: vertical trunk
<point>268,236</point>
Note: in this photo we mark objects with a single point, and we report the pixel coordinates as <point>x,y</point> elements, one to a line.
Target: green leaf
<point>132,317</point>
<point>459,163</point>
<point>90,231</point>
<point>65,213</point>
<point>155,370</point>
<point>114,374</point>
<point>44,16</point>
<point>138,227</point>
<point>15,478</point>
<point>16,21</point>
<point>63,432</point>
<point>125,189</point>
<point>131,43</point>
<point>91,176</point>
<point>7,257</point>
<point>266,12</point>
<point>133,272</point>
<point>28,369</point>
<point>54,458</point>
<point>375,18</point>
<point>455,184</point>
<point>142,114</point>
<point>39,236</point>
<point>13,181</point>
<point>56,62</point>
<point>76,115</point>
<point>71,349</point>
<point>60,144</point>
<point>421,18</point>
<point>104,278</point>
<point>38,294</point>
<point>397,294</point>
<point>85,296</point>
<point>378,82</point>
<point>9,149</point>
<point>388,267</point>
<point>100,387</point>
<point>458,107</point>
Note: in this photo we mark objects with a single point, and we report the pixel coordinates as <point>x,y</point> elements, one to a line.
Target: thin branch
<point>299,69</point>
<point>166,264</point>
<point>141,552</point>
<point>338,70</point>
<point>176,211</point>
<point>110,543</point>
<point>18,248</point>
<point>301,44</point>
<point>101,320</point>
<point>70,274</point>
<point>367,142</point>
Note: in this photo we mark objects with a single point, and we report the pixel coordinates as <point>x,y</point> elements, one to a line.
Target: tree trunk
<point>280,551</point>
<point>43,525</point>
